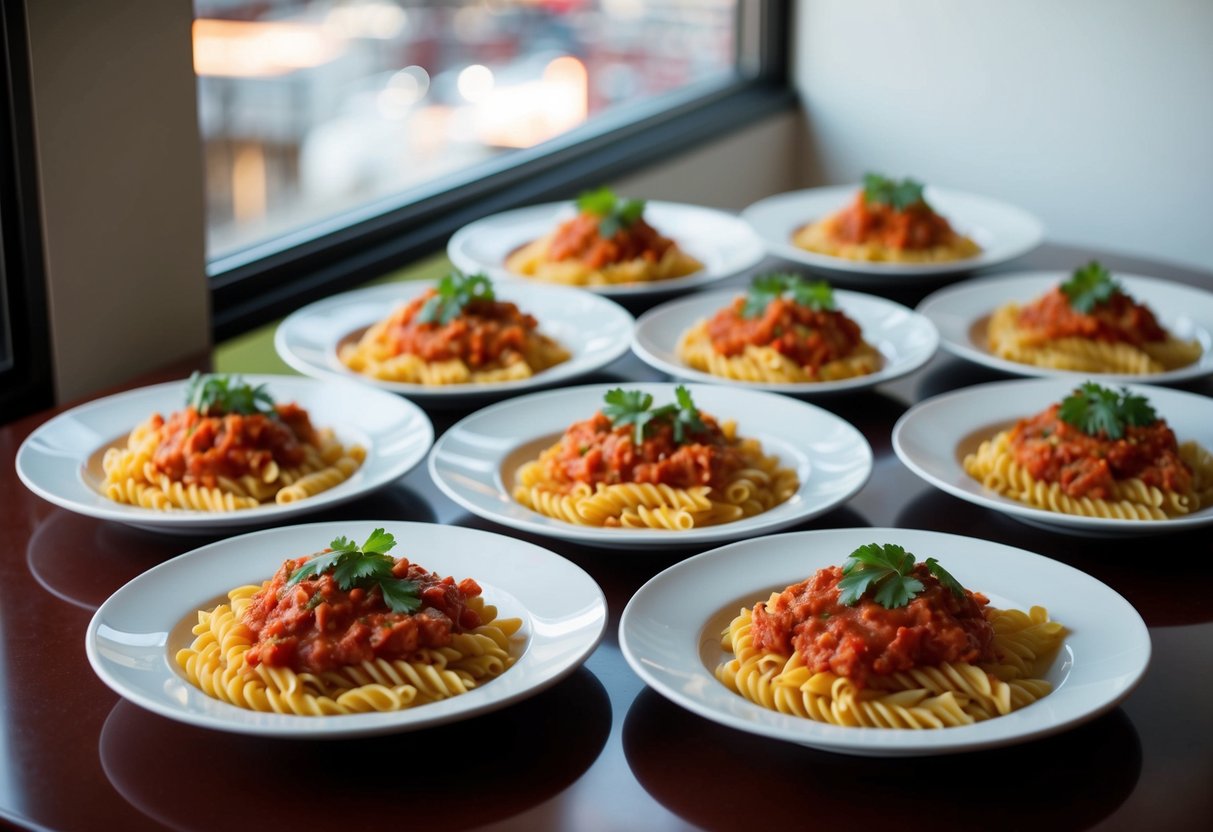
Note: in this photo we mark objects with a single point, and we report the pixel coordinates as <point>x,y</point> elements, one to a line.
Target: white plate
<point>474,462</point>
<point>960,311</point>
<point>906,339</point>
<point>722,242</point>
<point>594,329</point>
<point>670,635</point>
<point>1003,231</point>
<point>933,436</point>
<point>134,635</point>
<point>61,460</point>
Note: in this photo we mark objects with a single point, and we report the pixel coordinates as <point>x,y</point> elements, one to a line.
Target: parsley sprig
<point>1088,286</point>
<point>897,194</point>
<point>455,291</point>
<point>888,570</point>
<point>1094,409</point>
<point>212,394</point>
<point>614,213</point>
<point>367,566</point>
<point>815,294</point>
<point>635,407</point>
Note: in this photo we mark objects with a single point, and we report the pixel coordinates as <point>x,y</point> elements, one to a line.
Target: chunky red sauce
<point>578,239</point>
<point>594,452</point>
<point>1119,318</point>
<point>1087,466</point>
<point>197,449</point>
<point>478,335</point>
<point>316,626</point>
<point>868,640</point>
<point>808,336</point>
<point>909,229</point>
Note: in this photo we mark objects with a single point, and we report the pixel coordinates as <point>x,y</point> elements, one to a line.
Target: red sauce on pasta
<point>1118,319</point>
<point>578,239</point>
<point>808,336</point>
<point>912,228</point>
<point>1088,466</point>
<point>479,335</point>
<point>595,452</point>
<point>867,640</point>
<point>316,626</point>
<point>198,449</point>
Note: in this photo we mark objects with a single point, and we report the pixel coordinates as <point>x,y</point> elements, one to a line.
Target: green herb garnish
<point>614,213</point>
<point>1089,285</point>
<point>366,566</point>
<point>635,407</point>
<point>898,195</point>
<point>214,395</point>
<point>815,294</point>
<point>889,570</point>
<point>1094,409</point>
<point>455,291</point>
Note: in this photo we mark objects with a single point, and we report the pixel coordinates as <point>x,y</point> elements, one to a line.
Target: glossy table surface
<point>599,750</point>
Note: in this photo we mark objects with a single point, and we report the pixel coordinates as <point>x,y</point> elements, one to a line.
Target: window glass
<point>310,109</point>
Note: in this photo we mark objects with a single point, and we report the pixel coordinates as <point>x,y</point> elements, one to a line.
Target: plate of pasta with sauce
<point>348,628</point>
<point>889,229</point>
<point>785,334</point>
<point>966,644</point>
<point>609,245</point>
<point>1078,457</point>
<point>1086,322</point>
<point>650,465</point>
<point>218,452</point>
<point>457,338</point>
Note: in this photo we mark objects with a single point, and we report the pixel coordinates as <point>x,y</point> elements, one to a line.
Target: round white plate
<point>960,313</point>
<point>670,635</point>
<point>61,460</point>
<point>906,339</point>
<point>933,436</point>
<point>1003,231</point>
<point>474,462</point>
<point>134,635</point>
<point>594,329</point>
<point>722,242</point>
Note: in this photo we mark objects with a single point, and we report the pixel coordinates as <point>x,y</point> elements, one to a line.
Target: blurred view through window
<point>312,108</point>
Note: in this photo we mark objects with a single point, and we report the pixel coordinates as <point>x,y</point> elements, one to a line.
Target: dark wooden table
<point>599,751</point>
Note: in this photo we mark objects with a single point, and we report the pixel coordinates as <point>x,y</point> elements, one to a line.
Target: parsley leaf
<point>945,578</point>
<point>212,394</point>
<point>887,568</point>
<point>635,407</point>
<point>815,294</point>
<point>366,566</point>
<point>455,291</point>
<point>1094,409</point>
<point>1088,286</point>
<point>615,214</point>
<point>898,195</point>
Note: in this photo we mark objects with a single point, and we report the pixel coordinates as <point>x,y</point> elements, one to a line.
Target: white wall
<point>1097,115</point>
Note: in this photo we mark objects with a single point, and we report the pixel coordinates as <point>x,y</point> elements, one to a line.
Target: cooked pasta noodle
<point>532,260</point>
<point>764,364</point>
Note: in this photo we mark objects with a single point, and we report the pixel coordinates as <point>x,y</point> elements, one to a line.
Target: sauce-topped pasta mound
<point>1097,453</point>
<point>232,447</point>
<point>1087,323</point>
<point>607,242</point>
<point>348,630</point>
<point>786,329</point>
<point>889,221</point>
<point>636,466</point>
<point>885,642</point>
<point>454,333</point>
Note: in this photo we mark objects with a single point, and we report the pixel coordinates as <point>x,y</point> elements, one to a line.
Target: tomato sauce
<point>808,336</point>
<point>1118,319</point>
<point>578,239</point>
<point>315,626</point>
<point>1088,466</point>
<point>867,640</point>
<point>912,228</point>
<point>479,335</point>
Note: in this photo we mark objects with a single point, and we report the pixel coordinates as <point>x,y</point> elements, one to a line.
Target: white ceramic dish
<point>134,635</point>
<point>594,329</point>
<point>61,460</point>
<point>474,462</point>
<point>933,436</point>
<point>1003,231</point>
<point>960,313</point>
<point>670,635</point>
<point>722,242</point>
<point>905,339</point>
